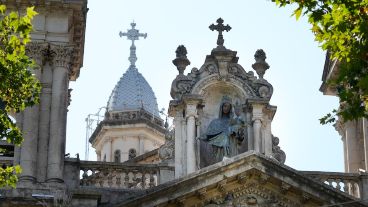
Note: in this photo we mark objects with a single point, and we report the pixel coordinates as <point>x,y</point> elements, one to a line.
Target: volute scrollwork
<point>62,56</point>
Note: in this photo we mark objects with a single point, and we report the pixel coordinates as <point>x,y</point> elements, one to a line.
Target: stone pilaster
<point>141,144</point>
<point>183,145</point>
<point>257,118</point>
<point>365,138</point>
<point>191,114</point>
<point>98,153</point>
<point>108,143</point>
<point>60,80</point>
<point>178,118</point>
<point>269,112</point>
<point>352,150</point>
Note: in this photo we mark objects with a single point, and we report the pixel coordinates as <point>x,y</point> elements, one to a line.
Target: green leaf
<point>298,12</point>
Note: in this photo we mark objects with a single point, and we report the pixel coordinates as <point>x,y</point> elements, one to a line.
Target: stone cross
<point>220,27</point>
<point>133,34</point>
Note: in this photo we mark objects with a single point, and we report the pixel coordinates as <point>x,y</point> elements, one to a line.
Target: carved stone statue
<point>224,134</point>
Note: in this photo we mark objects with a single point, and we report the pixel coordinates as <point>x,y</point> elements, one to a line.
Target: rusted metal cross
<point>220,27</point>
<point>133,34</point>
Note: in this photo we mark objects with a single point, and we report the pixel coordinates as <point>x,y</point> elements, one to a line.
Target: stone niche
<point>198,98</point>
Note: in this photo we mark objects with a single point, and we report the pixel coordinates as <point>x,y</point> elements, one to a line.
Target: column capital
<point>62,55</point>
<point>191,104</point>
<point>36,51</point>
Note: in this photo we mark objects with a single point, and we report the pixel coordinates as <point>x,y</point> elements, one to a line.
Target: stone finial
<point>260,66</point>
<point>220,27</point>
<point>181,61</point>
<point>181,52</point>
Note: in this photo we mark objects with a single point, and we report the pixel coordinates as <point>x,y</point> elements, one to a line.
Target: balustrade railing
<point>349,183</point>
<point>120,175</point>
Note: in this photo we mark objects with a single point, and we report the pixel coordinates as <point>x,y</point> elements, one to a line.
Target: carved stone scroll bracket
<point>167,151</point>
<point>263,178</point>
<point>284,188</point>
<point>201,193</point>
<point>242,178</point>
<point>340,127</point>
<point>180,202</point>
<point>305,198</point>
<point>221,186</point>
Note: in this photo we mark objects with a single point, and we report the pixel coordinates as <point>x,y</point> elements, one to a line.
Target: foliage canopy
<point>341,27</point>
<point>18,87</point>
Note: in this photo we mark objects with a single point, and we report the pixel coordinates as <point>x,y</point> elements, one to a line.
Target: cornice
<point>76,10</point>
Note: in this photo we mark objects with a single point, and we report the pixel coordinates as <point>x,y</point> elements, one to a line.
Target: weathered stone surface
<point>249,179</point>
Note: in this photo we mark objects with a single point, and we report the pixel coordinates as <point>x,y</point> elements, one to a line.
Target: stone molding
<point>251,179</point>
<point>130,117</point>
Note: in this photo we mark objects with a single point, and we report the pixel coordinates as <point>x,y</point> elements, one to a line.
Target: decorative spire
<point>220,27</point>
<point>133,34</point>
<point>260,66</point>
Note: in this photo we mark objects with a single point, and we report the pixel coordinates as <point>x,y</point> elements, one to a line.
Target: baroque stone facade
<point>221,91</point>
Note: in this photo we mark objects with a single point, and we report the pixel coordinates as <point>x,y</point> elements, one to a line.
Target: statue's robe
<point>218,142</point>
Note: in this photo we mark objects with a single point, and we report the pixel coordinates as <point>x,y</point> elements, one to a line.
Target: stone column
<point>178,143</point>
<point>60,79</point>
<point>28,152</point>
<point>191,114</point>
<point>257,123</point>
<point>44,122</point>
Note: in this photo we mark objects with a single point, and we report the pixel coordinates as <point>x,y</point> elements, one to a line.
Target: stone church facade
<point>221,152</point>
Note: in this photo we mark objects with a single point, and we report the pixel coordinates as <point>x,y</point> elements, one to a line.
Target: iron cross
<point>133,34</point>
<point>220,27</point>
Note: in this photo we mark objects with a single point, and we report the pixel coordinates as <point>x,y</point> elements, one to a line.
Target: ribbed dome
<point>132,92</point>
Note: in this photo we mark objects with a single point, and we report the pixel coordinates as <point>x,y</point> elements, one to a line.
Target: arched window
<point>132,153</point>
<point>117,156</point>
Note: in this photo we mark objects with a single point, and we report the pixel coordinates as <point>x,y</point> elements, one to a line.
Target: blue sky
<point>295,58</point>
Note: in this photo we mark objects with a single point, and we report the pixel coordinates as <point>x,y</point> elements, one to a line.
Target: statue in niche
<point>224,134</point>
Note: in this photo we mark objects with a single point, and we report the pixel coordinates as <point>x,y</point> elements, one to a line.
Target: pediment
<point>249,179</point>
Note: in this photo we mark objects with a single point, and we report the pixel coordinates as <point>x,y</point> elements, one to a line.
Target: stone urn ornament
<point>260,66</point>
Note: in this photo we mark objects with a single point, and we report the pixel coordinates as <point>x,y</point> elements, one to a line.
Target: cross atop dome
<point>133,34</point>
<point>220,27</point>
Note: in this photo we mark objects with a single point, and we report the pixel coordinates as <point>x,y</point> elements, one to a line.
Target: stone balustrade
<point>119,175</point>
<point>350,183</point>
<point>6,162</point>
